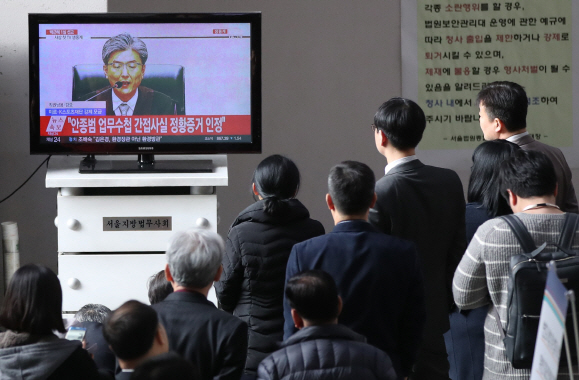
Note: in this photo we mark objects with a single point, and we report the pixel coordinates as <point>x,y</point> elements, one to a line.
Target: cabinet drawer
<point>81,227</point>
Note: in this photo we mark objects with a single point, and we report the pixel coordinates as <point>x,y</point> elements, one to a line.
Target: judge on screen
<point>124,58</point>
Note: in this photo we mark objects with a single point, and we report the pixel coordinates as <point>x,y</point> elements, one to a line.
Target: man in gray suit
<point>423,204</point>
<point>503,115</point>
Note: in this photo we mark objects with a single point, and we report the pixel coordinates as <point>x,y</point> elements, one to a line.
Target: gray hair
<point>122,42</point>
<point>92,312</point>
<point>194,256</point>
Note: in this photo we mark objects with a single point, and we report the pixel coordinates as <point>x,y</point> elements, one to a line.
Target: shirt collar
<point>516,138</point>
<point>399,161</point>
<point>132,102</point>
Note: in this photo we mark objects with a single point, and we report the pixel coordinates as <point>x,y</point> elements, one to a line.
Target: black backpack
<point>527,278</point>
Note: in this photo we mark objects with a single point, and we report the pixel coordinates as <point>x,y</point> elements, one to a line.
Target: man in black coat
<point>378,276</point>
<point>134,334</point>
<point>423,204</point>
<point>331,351</point>
<point>213,340</point>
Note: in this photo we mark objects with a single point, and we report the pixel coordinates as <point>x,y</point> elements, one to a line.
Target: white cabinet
<point>113,229</point>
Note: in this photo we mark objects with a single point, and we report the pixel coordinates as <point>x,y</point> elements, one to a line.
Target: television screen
<point>143,83</point>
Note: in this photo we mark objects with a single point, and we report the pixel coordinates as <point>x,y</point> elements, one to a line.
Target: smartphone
<point>75,333</point>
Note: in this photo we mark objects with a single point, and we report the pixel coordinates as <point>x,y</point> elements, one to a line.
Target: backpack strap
<point>568,232</point>
<point>521,233</point>
<point>495,314</point>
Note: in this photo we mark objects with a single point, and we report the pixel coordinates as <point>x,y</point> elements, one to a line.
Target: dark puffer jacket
<point>327,352</point>
<point>251,287</point>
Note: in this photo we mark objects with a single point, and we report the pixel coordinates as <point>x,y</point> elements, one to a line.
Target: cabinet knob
<point>73,224</point>
<point>202,223</point>
<point>73,283</point>
<point>56,222</point>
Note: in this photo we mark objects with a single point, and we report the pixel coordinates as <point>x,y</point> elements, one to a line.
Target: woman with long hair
<point>465,342</point>
<point>257,250</point>
<point>31,311</point>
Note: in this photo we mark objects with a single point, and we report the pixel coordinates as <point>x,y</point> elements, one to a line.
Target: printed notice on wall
<point>463,46</point>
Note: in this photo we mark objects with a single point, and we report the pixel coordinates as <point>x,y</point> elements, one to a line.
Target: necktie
<point>124,107</point>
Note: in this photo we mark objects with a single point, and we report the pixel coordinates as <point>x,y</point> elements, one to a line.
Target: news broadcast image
<point>179,83</point>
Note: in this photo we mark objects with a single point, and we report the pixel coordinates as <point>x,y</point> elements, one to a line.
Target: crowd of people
<point>411,283</point>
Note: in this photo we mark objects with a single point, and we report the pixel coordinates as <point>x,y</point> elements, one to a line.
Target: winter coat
<point>254,264</point>
<point>30,357</point>
<point>327,352</point>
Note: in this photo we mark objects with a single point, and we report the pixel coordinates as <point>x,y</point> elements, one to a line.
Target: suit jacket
<point>380,282</point>
<point>213,340</point>
<point>425,204</point>
<point>566,198</point>
<point>149,102</point>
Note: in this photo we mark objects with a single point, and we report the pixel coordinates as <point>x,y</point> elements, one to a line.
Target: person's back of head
<point>528,174</point>
<point>276,178</point>
<point>402,121</point>
<point>483,185</point>
<point>92,312</point>
<point>33,302</point>
<point>313,294</point>
<point>165,366</point>
<point>194,258</point>
<point>351,187</point>
<point>159,288</point>
<point>506,101</point>
<point>131,331</point>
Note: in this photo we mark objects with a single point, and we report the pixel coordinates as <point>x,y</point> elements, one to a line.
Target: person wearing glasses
<point>124,58</point>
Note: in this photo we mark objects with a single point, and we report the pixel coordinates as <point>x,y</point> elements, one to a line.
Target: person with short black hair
<point>378,276</point>
<point>423,204</point>
<point>529,182</point>
<point>159,288</point>
<point>31,311</point>
<point>503,115</point>
<point>134,334</point>
<point>256,251</point>
<point>211,339</point>
<point>91,317</point>
<point>165,366</point>
<point>339,352</point>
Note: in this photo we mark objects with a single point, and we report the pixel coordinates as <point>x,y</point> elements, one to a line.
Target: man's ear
<point>218,274</point>
<point>374,199</point>
<point>105,67</point>
<point>383,139</point>
<point>168,274</point>
<point>340,305</point>
<point>254,189</point>
<point>500,127</point>
<point>513,199</point>
<point>298,320</point>
<point>330,202</point>
<point>556,189</point>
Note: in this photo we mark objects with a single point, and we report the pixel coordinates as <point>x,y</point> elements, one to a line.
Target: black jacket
<point>326,352</point>
<point>214,341</point>
<point>251,287</point>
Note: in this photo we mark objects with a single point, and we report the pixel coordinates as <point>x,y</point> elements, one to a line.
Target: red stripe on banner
<point>203,125</point>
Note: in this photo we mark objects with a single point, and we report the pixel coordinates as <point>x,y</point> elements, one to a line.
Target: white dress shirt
<point>516,138</point>
<point>132,102</point>
<point>399,161</point>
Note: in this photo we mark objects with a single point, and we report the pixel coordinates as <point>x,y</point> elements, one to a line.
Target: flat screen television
<point>113,84</point>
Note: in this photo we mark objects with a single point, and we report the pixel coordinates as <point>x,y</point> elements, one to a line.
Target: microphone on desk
<point>118,84</point>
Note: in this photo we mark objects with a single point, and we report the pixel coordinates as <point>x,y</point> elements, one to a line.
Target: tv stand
<point>113,228</point>
<point>145,163</point>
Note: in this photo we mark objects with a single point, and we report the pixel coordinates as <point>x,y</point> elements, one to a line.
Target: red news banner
<point>145,125</point>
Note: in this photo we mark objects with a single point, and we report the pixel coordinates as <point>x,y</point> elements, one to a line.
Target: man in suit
<point>423,204</point>
<point>378,276</point>
<point>124,58</point>
<point>213,340</point>
<point>503,115</point>
<point>134,334</point>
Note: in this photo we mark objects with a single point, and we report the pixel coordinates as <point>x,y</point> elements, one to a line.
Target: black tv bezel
<point>37,19</point>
